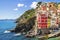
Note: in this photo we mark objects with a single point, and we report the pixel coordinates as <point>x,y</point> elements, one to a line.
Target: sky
<point>12,9</point>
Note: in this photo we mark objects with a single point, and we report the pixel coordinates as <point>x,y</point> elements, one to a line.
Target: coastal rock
<point>26,22</point>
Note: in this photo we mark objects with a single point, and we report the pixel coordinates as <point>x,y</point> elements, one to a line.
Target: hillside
<point>26,22</point>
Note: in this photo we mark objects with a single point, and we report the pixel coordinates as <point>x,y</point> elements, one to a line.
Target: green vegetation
<point>26,22</point>
<point>27,15</point>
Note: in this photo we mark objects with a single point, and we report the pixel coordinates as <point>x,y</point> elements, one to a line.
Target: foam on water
<point>6,31</point>
<point>18,34</point>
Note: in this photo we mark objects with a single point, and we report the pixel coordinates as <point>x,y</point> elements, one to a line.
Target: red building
<point>42,17</point>
<point>42,21</point>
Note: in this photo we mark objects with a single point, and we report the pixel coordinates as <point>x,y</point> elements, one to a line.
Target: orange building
<point>52,6</point>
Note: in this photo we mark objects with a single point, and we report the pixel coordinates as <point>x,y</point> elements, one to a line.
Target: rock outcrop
<point>25,22</point>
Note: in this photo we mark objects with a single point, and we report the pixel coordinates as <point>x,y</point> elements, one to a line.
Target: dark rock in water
<point>12,30</point>
<point>31,36</point>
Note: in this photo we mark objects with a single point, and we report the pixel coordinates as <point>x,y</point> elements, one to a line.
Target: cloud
<point>25,5</point>
<point>15,9</point>
<point>20,5</point>
<point>33,5</point>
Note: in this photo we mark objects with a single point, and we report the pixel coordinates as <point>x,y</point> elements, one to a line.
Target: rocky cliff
<point>25,22</point>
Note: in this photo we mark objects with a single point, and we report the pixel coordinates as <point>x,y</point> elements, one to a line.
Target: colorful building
<point>58,13</point>
<point>58,6</point>
<point>42,18</point>
<point>46,11</point>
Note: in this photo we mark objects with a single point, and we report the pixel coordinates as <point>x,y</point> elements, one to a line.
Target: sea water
<point>6,35</point>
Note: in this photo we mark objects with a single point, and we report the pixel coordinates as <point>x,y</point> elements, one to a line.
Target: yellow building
<point>48,22</point>
<point>58,6</point>
<point>58,11</point>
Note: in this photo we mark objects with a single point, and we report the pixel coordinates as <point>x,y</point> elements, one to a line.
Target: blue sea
<point>8,25</point>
